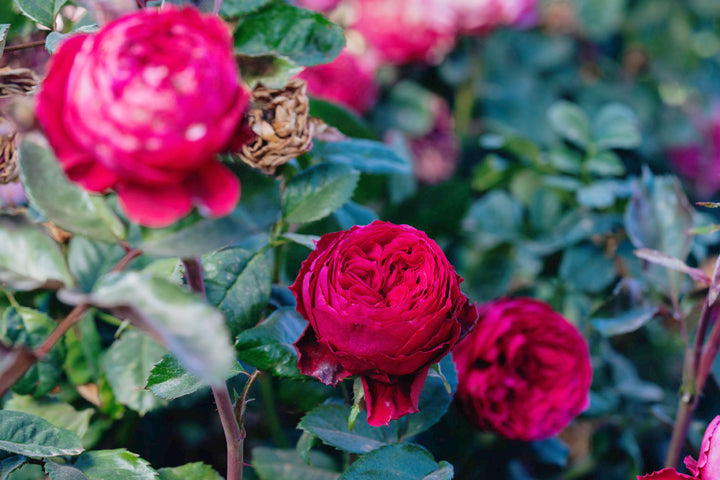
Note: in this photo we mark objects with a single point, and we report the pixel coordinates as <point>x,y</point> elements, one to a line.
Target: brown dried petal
<point>8,159</point>
<point>280,119</point>
<point>16,81</point>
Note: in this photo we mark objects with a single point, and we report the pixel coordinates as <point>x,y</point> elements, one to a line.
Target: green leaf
<point>53,410</point>
<point>587,268</point>
<point>191,330</point>
<point>339,117</point>
<point>127,365</point>
<point>616,126</point>
<point>352,214</point>
<point>394,462</point>
<point>29,258</point>
<point>445,471</point>
<point>305,37</point>
<point>83,351</point>
<point>551,451</point>
<point>235,8</point>
<point>570,122</point>
<point>434,399</point>
<point>10,464</point>
<point>365,156</point>
<point>304,240</point>
<point>30,328</point>
<point>35,437</point>
<point>4,29</point>
<point>190,471</point>
<point>42,11</point>
<point>169,380</point>
<point>63,472</point>
<point>605,163</point>
<point>66,204</point>
<point>624,323</point>
<point>304,445</point>
<point>269,346</point>
<point>317,192</point>
<point>273,72</point>
<point>239,283</point>
<point>274,464</point>
<point>114,464</point>
<point>599,20</point>
<point>89,260</point>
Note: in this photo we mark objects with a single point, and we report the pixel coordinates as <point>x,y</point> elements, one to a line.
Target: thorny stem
<point>234,435</point>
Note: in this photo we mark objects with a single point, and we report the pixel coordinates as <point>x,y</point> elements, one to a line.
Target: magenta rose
<point>478,16</point>
<point>707,466</point>
<point>346,80</point>
<point>143,107</point>
<point>665,474</point>
<point>319,5</point>
<point>384,303</point>
<point>524,372</point>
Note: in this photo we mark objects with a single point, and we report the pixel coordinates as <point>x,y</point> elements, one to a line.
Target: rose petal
<point>664,474</point>
<point>215,189</point>
<point>315,359</point>
<point>389,401</point>
<point>158,206</point>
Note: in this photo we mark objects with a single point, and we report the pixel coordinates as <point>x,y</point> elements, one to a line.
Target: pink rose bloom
<point>479,16</point>
<point>665,474</point>
<point>346,80</point>
<point>699,164</point>
<point>402,31</point>
<point>12,195</point>
<point>435,154</point>
<point>382,302</point>
<point>143,107</point>
<point>707,466</point>
<point>524,371</point>
<point>319,5</point>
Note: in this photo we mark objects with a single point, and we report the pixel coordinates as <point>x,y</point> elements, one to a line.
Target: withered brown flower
<point>16,81</point>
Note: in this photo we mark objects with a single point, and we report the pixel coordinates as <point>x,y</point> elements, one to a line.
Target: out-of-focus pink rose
<point>478,16</point>
<point>665,474</point>
<point>12,195</point>
<point>402,31</point>
<point>707,466</point>
<point>346,80</point>
<point>524,372</point>
<point>384,303</point>
<point>435,154</point>
<point>319,5</point>
<point>143,107</point>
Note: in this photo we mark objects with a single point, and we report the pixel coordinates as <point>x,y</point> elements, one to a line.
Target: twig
<point>21,46</point>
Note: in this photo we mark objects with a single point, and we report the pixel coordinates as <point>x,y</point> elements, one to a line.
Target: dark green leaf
<point>114,464</point>
<point>29,258</point>
<point>66,204</point>
<point>53,41</point>
<point>570,122</point>
<point>41,11</point>
<point>54,410</point>
<point>605,163</point>
<point>192,330</point>
<point>599,194</point>
<point>600,20</point>
<point>10,464</point>
<point>89,260</point>
<point>127,365</point>
<point>587,268</point>
<point>63,472</point>
<point>304,240</point>
<point>239,283</point>
<point>394,462</point>
<point>273,72</point>
<point>190,471</point>
<point>235,8</point>
<point>35,437</point>
<point>616,126</point>
<point>551,451</point>
<point>269,346</point>
<point>83,351</point>
<point>445,471</point>
<point>363,155</point>
<point>434,399</point>
<point>305,37</point>
<point>169,379</point>
<point>352,214</point>
<point>317,192</point>
<point>340,118</point>
<point>494,219</point>
<point>4,29</point>
<point>304,445</point>
<point>273,464</point>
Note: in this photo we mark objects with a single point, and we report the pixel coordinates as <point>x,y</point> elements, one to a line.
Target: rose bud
<point>707,466</point>
<point>347,80</point>
<point>383,303</point>
<point>403,31</point>
<point>143,107</point>
<point>524,372</point>
<point>665,474</point>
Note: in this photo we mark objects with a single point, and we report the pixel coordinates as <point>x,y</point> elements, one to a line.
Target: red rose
<point>402,31</point>
<point>346,80</point>
<point>524,371</point>
<point>384,303</point>
<point>665,474</point>
<point>319,5</point>
<point>707,466</point>
<point>143,107</point>
<point>479,16</point>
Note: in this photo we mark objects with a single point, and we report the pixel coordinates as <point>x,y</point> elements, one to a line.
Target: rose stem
<point>27,358</point>
<point>21,46</point>
<point>271,415</point>
<point>234,438</point>
<point>698,362</point>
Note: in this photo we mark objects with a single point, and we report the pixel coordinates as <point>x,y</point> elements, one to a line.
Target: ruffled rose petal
<point>215,189</point>
<point>316,359</point>
<point>158,206</point>
<point>708,463</point>
<point>664,474</point>
<point>389,401</point>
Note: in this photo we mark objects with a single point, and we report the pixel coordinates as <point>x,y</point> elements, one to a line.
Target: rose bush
<point>142,107</point>
<point>524,372</point>
<point>384,303</point>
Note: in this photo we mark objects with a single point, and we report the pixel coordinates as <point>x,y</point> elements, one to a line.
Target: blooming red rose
<point>143,107</point>
<point>524,372</point>
<point>346,80</point>
<point>707,466</point>
<point>402,31</point>
<point>479,16</point>
<point>384,303</point>
<point>665,474</point>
